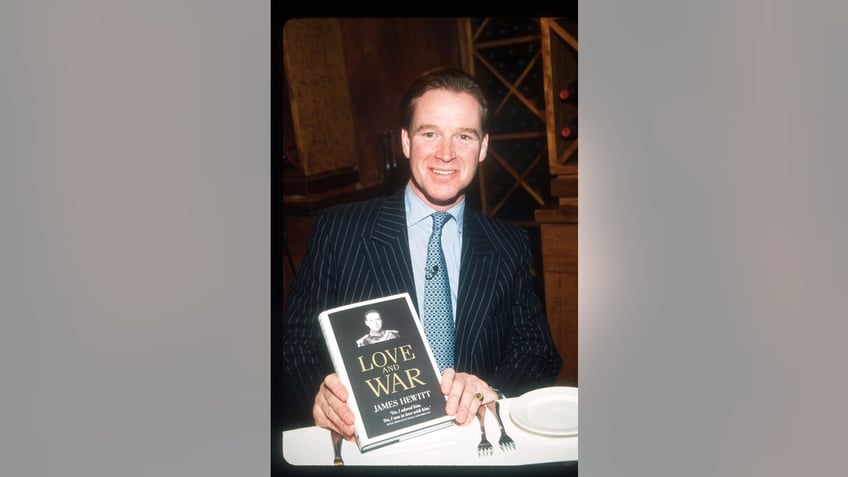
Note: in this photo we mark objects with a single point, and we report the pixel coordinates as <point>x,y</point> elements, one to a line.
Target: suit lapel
<point>388,256</point>
<point>389,250</point>
<point>477,270</point>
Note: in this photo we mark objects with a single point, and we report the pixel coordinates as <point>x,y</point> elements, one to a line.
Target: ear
<point>484,147</point>
<point>404,141</point>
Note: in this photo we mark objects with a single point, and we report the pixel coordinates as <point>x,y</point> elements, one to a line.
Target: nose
<point>445,150</point>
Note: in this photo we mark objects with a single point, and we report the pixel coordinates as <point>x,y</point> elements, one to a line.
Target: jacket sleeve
<point>531,359</point>
<point>304,358</point>
<point>506,338</point>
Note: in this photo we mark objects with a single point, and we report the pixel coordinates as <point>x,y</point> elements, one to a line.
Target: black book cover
<point>381,354</point>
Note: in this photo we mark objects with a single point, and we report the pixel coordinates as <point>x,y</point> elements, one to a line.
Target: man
<point>379,247</point>
<point>377,334</point>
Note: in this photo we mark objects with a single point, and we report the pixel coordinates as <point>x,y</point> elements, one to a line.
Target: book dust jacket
<point>379,350</point>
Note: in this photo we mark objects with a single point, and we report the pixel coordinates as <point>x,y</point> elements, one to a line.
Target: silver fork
<point>505,442</point>
<point>485,447</point>
<point>337,447</point>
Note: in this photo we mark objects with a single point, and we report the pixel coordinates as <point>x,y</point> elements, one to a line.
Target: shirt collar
<point>417,210</point>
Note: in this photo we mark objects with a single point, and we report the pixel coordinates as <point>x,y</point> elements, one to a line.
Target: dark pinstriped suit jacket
<point>360,251</point>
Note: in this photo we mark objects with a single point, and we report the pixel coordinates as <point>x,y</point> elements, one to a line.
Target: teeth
<point>442,173</point>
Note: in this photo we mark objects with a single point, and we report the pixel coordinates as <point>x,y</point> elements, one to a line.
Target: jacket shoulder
<point>354,217</point>
<point>502,235</point>
<point>360,208</point>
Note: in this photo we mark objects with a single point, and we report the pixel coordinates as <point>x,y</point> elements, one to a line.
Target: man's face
<point>444,146</point>
<point>374,321</point>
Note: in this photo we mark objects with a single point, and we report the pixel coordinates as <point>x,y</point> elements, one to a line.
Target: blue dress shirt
<point>419,226</point>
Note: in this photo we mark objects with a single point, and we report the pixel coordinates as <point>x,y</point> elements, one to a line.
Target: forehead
<point>372,316</point>
<point>443,107</point>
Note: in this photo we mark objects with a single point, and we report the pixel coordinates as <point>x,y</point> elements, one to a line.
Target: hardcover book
<point>381,354</point>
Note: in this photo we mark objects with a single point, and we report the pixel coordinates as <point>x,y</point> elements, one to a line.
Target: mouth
<point>442,172</point>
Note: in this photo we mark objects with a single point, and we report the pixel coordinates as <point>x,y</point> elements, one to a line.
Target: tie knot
<point>439,219</point>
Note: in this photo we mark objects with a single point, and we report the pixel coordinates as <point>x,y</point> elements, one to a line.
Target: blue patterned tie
<point>437,315</point>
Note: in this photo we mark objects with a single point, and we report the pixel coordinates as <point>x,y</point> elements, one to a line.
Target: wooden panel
<point>297,205</point>
<point>565,212</point>
<point>562,314</point>
<point>305,185</point>
<point>564,186</point>
<point>559,247</point>
<point>382,56</point>
<point>318,94</point>
<point>559,258</point>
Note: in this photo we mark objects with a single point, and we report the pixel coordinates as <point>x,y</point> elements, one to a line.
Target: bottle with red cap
<point>569,132</point>
<point>569,94</point>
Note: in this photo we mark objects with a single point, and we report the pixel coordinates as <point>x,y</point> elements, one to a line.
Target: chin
<point>443,200</point>
<point>438,195</point>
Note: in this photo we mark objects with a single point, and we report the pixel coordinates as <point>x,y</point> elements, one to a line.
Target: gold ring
<point>479,397</point>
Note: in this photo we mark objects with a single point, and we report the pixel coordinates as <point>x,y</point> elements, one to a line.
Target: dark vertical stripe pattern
<point>360,251</point>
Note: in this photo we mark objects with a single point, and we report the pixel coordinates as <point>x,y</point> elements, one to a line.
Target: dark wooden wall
<point>382,56</point>
<point>373,60</point>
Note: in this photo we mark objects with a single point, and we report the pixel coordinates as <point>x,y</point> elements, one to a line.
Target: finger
<point>332,413</point>
<point>463,397</point>
<point>448,376</point>
<point>485,394</point>
<point>342,416</point>
<point>337,421</point>
<point>491,399</point>
<point>468,405</point>
<point>322,410</point>
<point>453,391</point>
<point>475,393</point>
<point>335,385</point>
<point>336,397</point>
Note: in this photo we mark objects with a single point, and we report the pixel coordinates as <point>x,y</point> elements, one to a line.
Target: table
<point>455,445</point>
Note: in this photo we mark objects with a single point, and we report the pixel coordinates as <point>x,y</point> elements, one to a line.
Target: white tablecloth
<point>456,445</point>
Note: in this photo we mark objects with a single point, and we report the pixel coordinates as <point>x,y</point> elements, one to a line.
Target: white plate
<point>549,411</point>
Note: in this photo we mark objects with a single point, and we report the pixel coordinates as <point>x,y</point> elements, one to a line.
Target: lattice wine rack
<point>524,64</point>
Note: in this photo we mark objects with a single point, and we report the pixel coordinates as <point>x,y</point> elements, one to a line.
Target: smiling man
<point>469,274</point>
<point>444,143</point>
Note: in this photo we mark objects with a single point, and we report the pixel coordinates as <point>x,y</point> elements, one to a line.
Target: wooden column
<point>559,259</point>
<point>558,222</point>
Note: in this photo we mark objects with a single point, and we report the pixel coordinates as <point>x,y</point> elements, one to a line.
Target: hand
<point>461,390</point>
<point>331,410</point>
